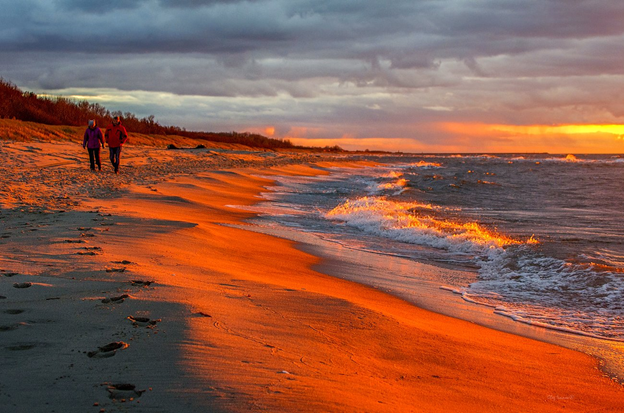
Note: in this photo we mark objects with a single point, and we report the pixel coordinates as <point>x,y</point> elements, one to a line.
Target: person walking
<point>92,141</point>
<point>116,136</point>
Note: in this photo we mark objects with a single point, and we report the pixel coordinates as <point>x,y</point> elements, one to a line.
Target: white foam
<point>545,291</point>
<point>513,277</point>
<point>404,222</point>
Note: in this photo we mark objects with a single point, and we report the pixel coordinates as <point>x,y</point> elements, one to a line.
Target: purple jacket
<point>93,138</point>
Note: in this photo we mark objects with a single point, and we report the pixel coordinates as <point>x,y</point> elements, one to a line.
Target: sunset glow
<point>443,76</point>
<point>617,130</point>
<point>543,138</point>
<point>480,137</point>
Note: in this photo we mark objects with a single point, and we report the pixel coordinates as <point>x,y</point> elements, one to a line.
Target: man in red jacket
<point>116,136</point>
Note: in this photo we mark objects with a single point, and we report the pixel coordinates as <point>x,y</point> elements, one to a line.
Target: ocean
<point>540,235</point>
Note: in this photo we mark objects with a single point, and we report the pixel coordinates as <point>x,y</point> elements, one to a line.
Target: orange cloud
<point>541,138</point>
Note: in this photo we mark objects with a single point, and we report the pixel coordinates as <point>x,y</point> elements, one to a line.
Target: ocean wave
<point>413,222</point>
<point>571,283</point>
<point>397,186</point>
<point>540,290</point>
<point>422,165</point>
<point>513,276</point>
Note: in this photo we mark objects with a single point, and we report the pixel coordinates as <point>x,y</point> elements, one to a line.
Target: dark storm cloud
<point>181,4</point>
<point>95,6</point>
<point>410,34</point>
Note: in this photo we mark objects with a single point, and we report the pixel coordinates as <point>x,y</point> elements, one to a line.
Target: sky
<point>412,76</point>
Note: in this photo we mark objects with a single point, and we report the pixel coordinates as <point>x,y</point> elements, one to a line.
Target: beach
<point>145,292</point>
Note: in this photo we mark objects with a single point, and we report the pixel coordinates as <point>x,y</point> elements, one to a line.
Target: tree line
<point>55,110</point>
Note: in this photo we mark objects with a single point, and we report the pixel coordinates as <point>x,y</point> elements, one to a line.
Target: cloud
<point>98,6</point>
<point>364,69</point>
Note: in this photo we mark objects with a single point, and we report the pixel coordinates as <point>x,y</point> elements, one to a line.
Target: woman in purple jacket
<point>92,140</point>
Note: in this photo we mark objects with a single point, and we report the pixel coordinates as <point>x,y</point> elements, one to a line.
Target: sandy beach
<point>142,292</point>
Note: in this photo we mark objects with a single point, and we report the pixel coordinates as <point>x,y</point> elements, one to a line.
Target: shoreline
<point>245,322</point>
<point>435,297</point>
<point>434,287</point>
<point>418,283</point>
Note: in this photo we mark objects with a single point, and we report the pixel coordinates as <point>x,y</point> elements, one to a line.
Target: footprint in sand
<point>10,274</point>
<point>85,235</point>
<point>11,327</point>
<point>143,321</point>
<point>202,314</point>
<point>108,350</point>
<point>89,251</point>
<point>123,391</point>
<point>121,269</point>
<point>13,311</point>
<point>22,285</point>
<point>141,283</point>
<point>116,300</point>
<point>75,241</point>
<point>21,347</point>
<point>123,262</point>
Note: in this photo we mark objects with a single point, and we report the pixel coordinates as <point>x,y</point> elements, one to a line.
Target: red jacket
<point>116,135</point>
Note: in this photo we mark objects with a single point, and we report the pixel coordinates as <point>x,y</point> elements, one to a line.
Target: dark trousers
<point>94,158</point>
<point>115,155</point>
